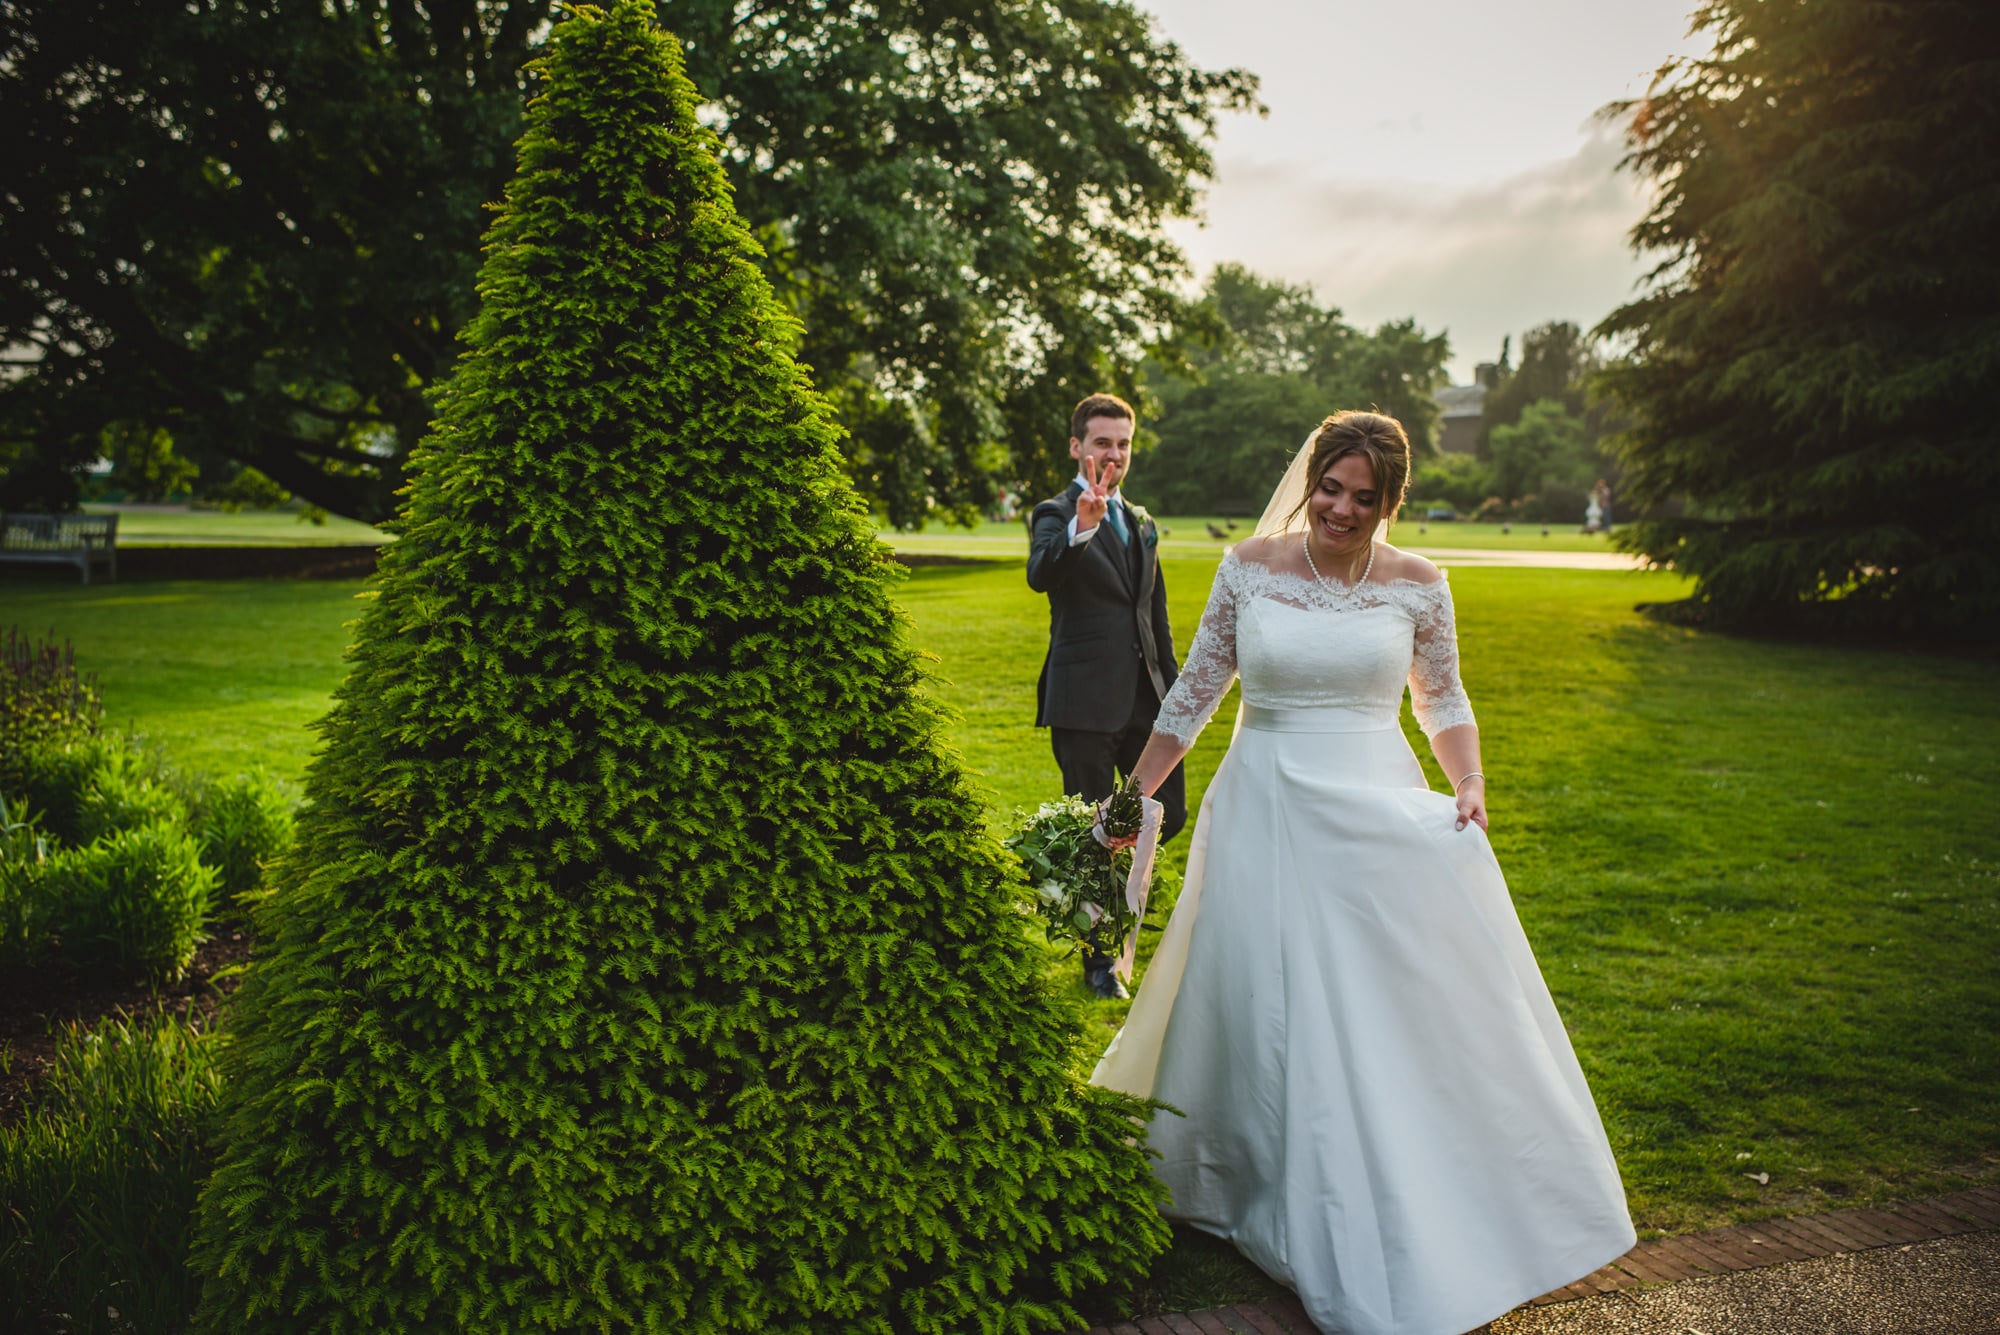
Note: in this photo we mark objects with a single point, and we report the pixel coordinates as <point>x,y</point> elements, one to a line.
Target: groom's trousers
<point>1092,761</point>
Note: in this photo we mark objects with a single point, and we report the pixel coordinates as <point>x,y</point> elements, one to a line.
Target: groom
<point>1111,652</point>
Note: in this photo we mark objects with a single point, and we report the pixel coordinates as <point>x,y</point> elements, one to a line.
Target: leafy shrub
<point>243,825</point>
<point>86,787</point>
<point>133,903</point>
<point>119,885</point>
<point>44,700</point>
<point>1458,481</point>
<point>98,1181</point>
<point>24,851</point>
<point>126,790</point>
<point>1556,503</point>
<point>49,781</point>
<point>1548,461</point>
<point>645,962</point>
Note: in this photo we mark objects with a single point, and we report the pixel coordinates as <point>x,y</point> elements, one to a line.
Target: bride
<point>1379,1105</point>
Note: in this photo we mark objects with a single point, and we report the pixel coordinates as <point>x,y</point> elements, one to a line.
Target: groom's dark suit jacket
<point>1107,619</point>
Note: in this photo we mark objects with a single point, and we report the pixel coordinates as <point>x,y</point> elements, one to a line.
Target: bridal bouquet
<point>1080,885</point>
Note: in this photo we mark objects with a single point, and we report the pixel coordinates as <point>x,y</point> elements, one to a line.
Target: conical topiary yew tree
<point>644,962</point>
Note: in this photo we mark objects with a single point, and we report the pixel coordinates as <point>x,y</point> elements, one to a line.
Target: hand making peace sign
<point>1090,506</point>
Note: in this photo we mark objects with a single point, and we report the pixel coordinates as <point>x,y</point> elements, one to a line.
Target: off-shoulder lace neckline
<point>1333,587</point>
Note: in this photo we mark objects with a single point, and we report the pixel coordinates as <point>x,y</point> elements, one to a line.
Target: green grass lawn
<point>178,526</point>
<point>1189,536</point>
<point>1763,879</point>
<point>222,675</point>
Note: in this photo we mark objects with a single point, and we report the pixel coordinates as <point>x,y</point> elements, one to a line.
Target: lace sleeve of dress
<point>1437,697</point>
<point>1210,667</point>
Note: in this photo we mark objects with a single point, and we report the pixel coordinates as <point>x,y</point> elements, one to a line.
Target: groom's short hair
<point>1099,405</point>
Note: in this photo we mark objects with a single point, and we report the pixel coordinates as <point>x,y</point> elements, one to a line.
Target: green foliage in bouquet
<point>643,962</point>
<point>1079,883</point>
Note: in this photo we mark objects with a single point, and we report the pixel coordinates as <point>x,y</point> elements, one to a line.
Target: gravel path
<point>1929,1267</point>
<point>1479,556</point>
<point>1947,1286</point>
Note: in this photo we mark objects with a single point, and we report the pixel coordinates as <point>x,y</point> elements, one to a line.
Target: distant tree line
<point>1544,440</point>
<point>1264,362</point>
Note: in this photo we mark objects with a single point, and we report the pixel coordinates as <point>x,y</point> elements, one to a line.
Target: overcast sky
<point>1431,158</point>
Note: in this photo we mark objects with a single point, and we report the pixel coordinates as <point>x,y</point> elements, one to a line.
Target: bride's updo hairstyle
<point>1376,437</point>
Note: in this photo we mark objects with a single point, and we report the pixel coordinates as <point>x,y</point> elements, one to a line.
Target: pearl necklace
<point>1305,542</point>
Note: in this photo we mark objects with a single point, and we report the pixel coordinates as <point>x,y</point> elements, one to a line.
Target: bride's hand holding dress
<point>1471,797</point>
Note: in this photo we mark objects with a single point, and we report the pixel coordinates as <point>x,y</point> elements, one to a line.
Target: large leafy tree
<point>645,963</point>
<point>255,225</point>
<point>1265,363</point>
<point>1811,373</point>
<point>1557,361</point>
<point>1543,430</point>
<point>1545,463</point>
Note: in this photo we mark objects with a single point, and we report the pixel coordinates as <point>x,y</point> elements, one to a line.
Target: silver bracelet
<point>1476,774</point>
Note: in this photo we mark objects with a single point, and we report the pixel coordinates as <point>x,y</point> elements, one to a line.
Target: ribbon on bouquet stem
<point>1139,882</point>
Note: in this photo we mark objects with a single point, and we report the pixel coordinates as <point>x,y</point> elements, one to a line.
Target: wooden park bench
<point>77,540</point>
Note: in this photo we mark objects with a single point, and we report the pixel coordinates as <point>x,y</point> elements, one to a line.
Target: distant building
<point>1459,408</point>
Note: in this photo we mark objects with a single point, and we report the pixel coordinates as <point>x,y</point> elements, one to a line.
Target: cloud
<point>1479,262</point>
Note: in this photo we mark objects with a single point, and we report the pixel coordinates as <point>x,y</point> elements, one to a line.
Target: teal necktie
<point>1115,512</point>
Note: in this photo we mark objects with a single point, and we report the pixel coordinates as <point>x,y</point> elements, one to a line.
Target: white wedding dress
<point>1380,1106</point>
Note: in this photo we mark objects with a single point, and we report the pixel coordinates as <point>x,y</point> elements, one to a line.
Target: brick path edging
<point>1719,1251</point>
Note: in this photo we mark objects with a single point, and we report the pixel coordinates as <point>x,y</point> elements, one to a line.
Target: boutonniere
<point>1148,530</point>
